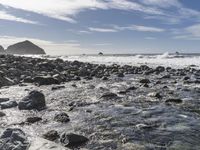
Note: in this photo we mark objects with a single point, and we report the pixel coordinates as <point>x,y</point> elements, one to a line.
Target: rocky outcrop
<point>25,47</point>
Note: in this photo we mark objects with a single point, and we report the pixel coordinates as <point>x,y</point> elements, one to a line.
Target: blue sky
<point>110,26</point>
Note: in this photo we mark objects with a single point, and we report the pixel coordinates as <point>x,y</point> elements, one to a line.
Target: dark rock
<point>25,47</point>
<point>35,100</point>
<point>174,100</point>
<point>45,80</point>
<point>14,139</point>
<point>8,104</point>
<point>33,119</point>
<point>2,114</point>
<point>104,78</point>
<point>100,53</point>
<point>121,75</point>
<point>5,82</point>
<point>57,88</point>
<point>145,81</point>
<point>4,100</point>
<point>131,88</point>
<point>62,117</point>
<point>73,140</point>
<point>51,135</point>
<point>109,95</point>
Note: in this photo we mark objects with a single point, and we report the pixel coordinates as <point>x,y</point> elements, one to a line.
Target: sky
<point>64,27</point>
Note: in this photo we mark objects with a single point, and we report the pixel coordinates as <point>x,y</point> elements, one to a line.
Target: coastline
<point>115,107</point>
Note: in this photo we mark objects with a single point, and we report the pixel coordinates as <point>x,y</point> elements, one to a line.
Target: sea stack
<point>25,48</point>
<point>2,51</point>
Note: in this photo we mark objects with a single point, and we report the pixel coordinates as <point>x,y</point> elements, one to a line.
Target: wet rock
<point>4,100</point>
<point>104,78</point>
<point>73,140</point>
<point>109,95</point>
<point>145,81</point>
<point>62,117</point>
<point>8,104</point>
<point>45,80</point>
<point>121,75</point>
<point>131,88</point>
<point>2,114</point>
<point>57,88</point>
<point>174,100</point>
<point>51,135</point>
<point>33,119</point>
<point>14,139</point>
<point>35,100</point>
<point>4,81</point>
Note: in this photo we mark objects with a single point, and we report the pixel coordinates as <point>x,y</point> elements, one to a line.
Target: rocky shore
<point>57,105</point>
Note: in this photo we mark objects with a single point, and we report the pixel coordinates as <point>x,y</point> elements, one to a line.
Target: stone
<point>2,114</point>
<point>8,104</point>
<point>57,88</point>
<point>45,80</point>
<point>62,117</point>
<point>14,139</point>
<point>4,100</point>
<point>72,140</point>
<point>174,100</point>
<point>145,81</point>
<point>109,95</point>
<point>5,82</point>
<point>33,119</point>
<point>51,135</point>
<point>35,100</point>
<point>2,51</point>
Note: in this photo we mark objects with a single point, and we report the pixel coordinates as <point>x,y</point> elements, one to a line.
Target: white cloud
<point>143,28</point>
<point>102,29</point>
<point>5,16</point>
<point>194,30</point>
<point>162,3</point>
<point>66,9</point>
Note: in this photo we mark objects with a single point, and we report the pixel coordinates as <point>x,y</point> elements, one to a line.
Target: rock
<point>5,82</point>
<point>51,135</point>
<point>73,140</point>
<point>145,81</point>
<point>131,88</point>
<point>109,95</point>
<point>57,88</point>
<point>174,100</point>
<point>4,100</point>
<point>62,117</point>
<point>33,119</point>
<point>2,114</point>
<point>100,53</point>
<point>25,47</point>
<point>14,139</point>
<point>45,80</point>
<point>121,75</point>
<point>104,78</point>
<point>35,100</point>
<point>8,104</point>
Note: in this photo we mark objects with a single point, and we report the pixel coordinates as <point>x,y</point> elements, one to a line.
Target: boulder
<point>73,140</point>
<point>51,135</point>
<point>45,80</point>
<point>14,139</point>
<point>62,117</point>
<point>35,100</point>
<point>33,119</point>
<point>109,95</point>
<point>25,47</point>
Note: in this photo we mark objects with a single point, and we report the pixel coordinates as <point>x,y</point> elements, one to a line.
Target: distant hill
<point>24,48</point>
<point>2,51</point>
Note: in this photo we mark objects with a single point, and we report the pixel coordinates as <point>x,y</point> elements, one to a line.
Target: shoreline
<point>107,107</point>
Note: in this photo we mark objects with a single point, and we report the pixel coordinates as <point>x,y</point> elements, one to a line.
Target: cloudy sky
<point>110,26</point>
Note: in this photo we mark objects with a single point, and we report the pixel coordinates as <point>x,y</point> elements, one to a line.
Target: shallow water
<point>131,121</point>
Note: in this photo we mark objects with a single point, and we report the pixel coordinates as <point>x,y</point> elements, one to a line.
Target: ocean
<point>152,60</point>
